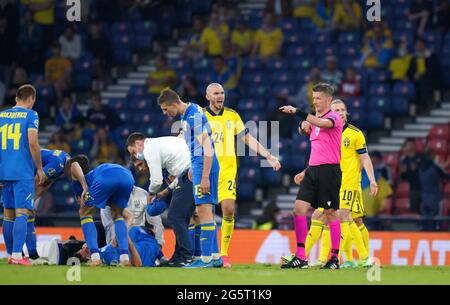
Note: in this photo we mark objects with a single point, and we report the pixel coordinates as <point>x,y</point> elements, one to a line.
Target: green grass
<point>239,274</point>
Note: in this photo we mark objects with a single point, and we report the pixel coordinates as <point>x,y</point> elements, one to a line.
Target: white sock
<point>215,255</point>
<point>95,256</point>
<point>17,256</point>
<point>206,259</point>
<point>124,258</point>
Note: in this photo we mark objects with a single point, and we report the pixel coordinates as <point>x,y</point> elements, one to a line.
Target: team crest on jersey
<point>228,124</point>
<point>346,142</point>
<point>52,172</point>
<point>317,130</point>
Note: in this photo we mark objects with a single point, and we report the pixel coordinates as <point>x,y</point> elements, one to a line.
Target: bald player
<point>226,125</point>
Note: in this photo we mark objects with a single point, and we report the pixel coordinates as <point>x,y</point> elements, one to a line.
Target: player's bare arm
<point>262,151</point>
<point>77,174</point>
<point>35,150</point>
<point>367,165</point>
<point>207,161</point>
<point>128,216</point>
<point>313,120</point>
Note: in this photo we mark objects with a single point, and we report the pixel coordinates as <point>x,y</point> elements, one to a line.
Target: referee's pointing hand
<point>288,109</point>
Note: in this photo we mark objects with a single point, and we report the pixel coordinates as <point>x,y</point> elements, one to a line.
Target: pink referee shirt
<point>326,142</point>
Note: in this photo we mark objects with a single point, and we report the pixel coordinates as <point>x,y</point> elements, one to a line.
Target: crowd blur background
<point>98,80</point>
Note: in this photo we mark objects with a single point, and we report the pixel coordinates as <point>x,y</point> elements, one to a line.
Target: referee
<point>321,184</point>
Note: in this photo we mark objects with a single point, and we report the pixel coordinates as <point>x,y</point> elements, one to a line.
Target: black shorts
<point>321,186</point>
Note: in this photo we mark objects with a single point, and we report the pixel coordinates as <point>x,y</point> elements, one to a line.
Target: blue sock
<point>31,239</point>
<point>215,242</point>
<point>90,233</point>
<point>121,234</point>
<point>191,233</point>
<point>8,225</point>
<point>198,247</point>
<point>19,233</point>
<point>206,236</point>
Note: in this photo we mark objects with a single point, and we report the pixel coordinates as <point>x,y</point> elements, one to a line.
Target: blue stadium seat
<point>375,120</point>
<point>246,191</point>
<point>271,177</point>
<point>322,38</point>
<point>358,118</point>
<point>379,89</point>
<point>122,55</point>
<point>183,16</point>
<point>64,204</point>
<point>281,77</point>
<point>296,163</point>
<point>289,25</point>
<point>61,187</point>
<point>260,91</point>
<point>142,42</point>
<point>400,105</point>
<point>250,104</point>
<point>117,103</point>
<point>304,63</point>
<point>297,50</point>
<point>124,114</point>
<point>252,173</point>
<point>324,50</point>
<point>144,28</point>
<point>150,131</point>
<point>201,6</point>
<point>139,104</point>
<point>284,89</point>
<point>349,38</point>
<point>404,89</point>
<point>138,91</point>
<point>301,77</point>
<point>378,75</point>
<point>276,64</point>
<point>254,77</point>
<point>380,103</point>
<point>80,147</point>
<point>121,27</point>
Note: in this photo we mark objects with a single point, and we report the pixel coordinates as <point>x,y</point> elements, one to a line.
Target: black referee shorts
<point>321,186</point>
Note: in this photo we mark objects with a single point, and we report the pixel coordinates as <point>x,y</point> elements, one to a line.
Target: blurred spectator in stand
<point>425,72</point>
<point>350,86</point>
<point>409,171</point>
<point>399,65</point>
<point>442,17</point>
<point>102,115</point>
<point>268,39</point>
<point>103,148</point>
<point>431,175</point>
<point>101,48</point>
<point>421,13</point>
<point>374,205</point>
<point>380,167</point>
<point>378,46</point>
<point>304,8</point>
<point>190,92</point>
<point>58,71</point>
<point>347,16</point>
<point>68,113</point>
<point>20,78</point>
<point>281,8</point>
<point>332,74</point>
<point>303,99</point>
<point>44,14</point>
<point>241,39</point>
<point>9,32</point>
<point>269,219</point>
<point>31,47</point>
<point>323,17</point>
<point>193,48</point>
<point>162,77</point>
<point>214,36</point>
<point>58,142</point>
<point>70,43</point>
<point>223,75</point>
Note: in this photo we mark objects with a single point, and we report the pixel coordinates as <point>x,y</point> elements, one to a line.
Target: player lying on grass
<point>144,249</point>
<point>106,185</point>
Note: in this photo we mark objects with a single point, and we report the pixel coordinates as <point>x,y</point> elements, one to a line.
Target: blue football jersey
<point>53,162</point>
<point>194,123</point>
<point>16,162</point>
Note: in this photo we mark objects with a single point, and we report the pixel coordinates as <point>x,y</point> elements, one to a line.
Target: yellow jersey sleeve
<point>239,127</point>
<point>360,143</point>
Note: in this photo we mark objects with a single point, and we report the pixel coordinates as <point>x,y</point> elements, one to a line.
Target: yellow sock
<point>227,232</point>
<point>313,235</point>
<point>345,236</point>
<point>365,237</point>
<point>348,250</point>
<point>358,241</point>
<point>326,244</point>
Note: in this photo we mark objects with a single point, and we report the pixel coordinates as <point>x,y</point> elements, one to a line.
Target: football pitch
<point>238,275</point>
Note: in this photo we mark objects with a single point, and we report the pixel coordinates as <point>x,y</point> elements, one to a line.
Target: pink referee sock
<point>335,233</point>
<point>301,229</point>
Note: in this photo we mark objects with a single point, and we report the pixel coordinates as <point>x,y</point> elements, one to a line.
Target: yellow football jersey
<point>225,126</point>
<point>353,144</point>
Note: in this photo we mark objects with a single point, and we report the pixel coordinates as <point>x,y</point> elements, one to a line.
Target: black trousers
<point>181,209</point>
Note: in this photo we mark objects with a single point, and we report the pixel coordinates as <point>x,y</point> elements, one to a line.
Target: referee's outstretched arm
<point>322,123</point>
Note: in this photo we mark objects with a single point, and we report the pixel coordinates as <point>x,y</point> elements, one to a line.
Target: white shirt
<point>137,205</point>
<point>170,153</point>
<point>70,48</point>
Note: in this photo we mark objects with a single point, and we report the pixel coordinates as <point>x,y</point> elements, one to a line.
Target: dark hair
<point>410,140</point>
<point>168,96</point>
<point>324,88</point>
<point>82,160</point>
<point>26,91</point>
<point>135,136</point>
